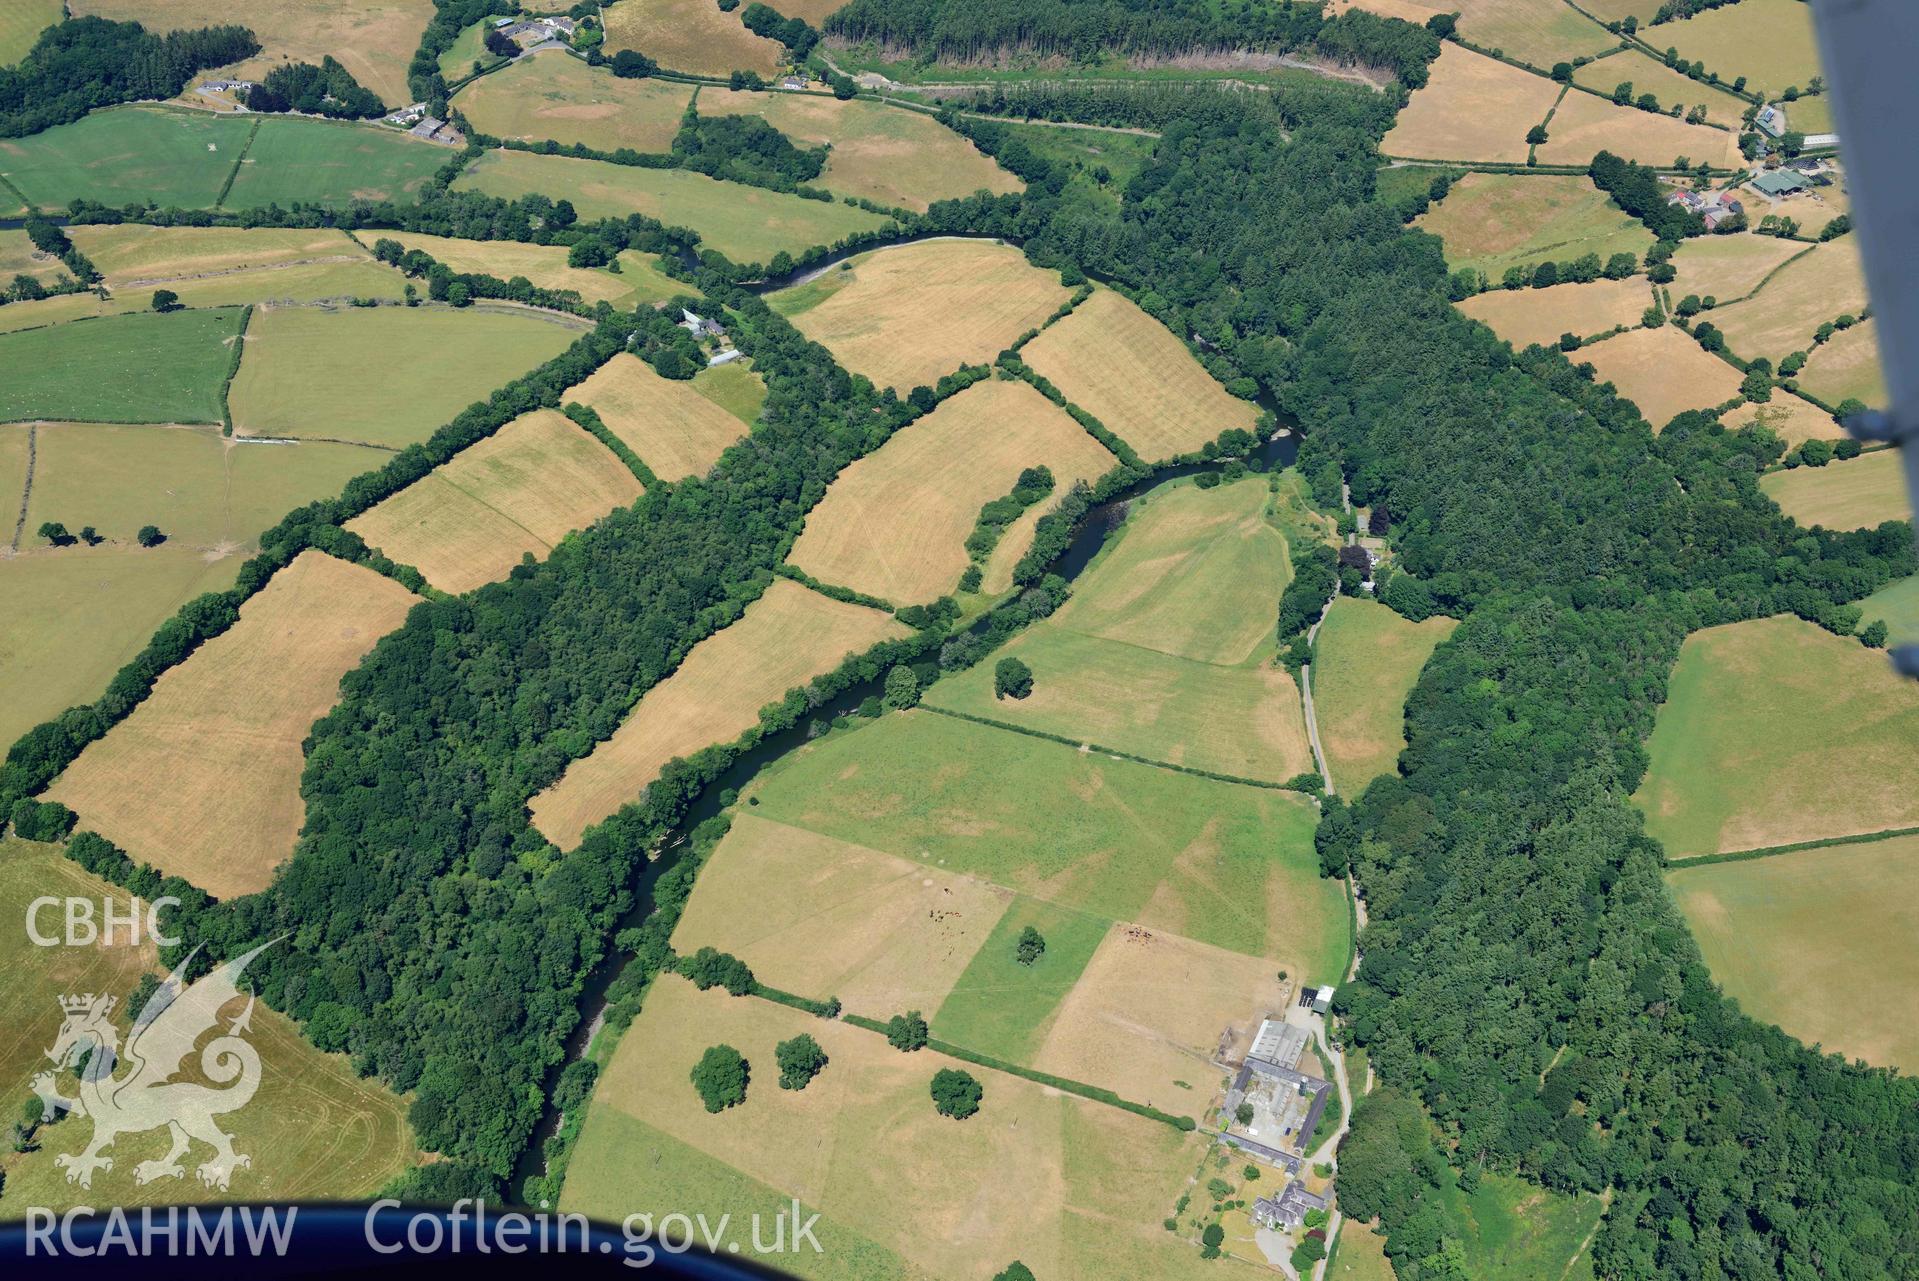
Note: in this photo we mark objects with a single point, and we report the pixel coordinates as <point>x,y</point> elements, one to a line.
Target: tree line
<point>84,63</point>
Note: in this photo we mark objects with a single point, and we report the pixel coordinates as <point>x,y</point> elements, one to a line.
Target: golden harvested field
<point>517,493</point>
<point>1729,267</point>
<point>1770,42</point>
<point>1584,126</point>
<point>202,780</point>
<point>1791,418</point>
<point>1364,665</point>
<point>638,281</point>
<point>1492,221</point>
<point>784,639</point>
<point>1526,316</point>
<point>1197,573</point>
<point>829,918</point>
<point>1775,732</point>
<point>553,95</point>
<point>1854,494</point>
<point>373,39</point>
<point>1540,32</point>
<point>1151,1010</point>
<point>907,316</point>
<point>18,257</point>
<point>1405,10</point>
<point>1647,74</point>
<point>895,523</point>
<point>675,430</point>
<point>1822,942</point>
<point>1662,371</point>
<point>1130,372</point>
<point>690,35</point>
<point>1805,293</point>
<point>1472,108</point>
<point>1847,368</point>
<point>900,158</point>
<point>1072,1187</point>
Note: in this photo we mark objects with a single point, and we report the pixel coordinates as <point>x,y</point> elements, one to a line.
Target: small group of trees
<point>1636,189</point>
<point>326,90</point>
<point>56,534</point>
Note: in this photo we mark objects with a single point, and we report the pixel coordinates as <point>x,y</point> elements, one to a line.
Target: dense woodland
<point>326,90</point>
<point>85,63</point>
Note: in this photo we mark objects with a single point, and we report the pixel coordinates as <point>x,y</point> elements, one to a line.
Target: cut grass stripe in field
<point>1003,1008</point>
<point>137,368</point>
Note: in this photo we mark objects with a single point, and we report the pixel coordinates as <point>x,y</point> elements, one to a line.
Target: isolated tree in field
<point>800,1060</point>
<point>956,1094</point>
<point>720,1076</point>
<point>1014,1271</point>
<point>1244,1114</point>
<point>165,300</point>
<point>89,535</point>
<point>1031,946</point>
<point>906,1032</point>
<point>902,689</point>
<point>150,536</point>
<point>56,533</point>
<point>1012,679</point>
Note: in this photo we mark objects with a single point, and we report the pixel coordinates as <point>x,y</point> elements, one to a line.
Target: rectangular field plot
<point>747,224</point>
<point>1130,372</point>
<point>881,933</point>
<point>1072,1187</point>
<point>1540,32</point>
<point>56,311</point>
<point>784,639</point>
<point>1770,42</point>
<point>1585,125</point>
<point>638,281</point>
<point>673,428</point>
<point>1222,863</point>
<point>692,36</point>
<point>1472,108</point>
<point>1776,732</point>
<point>1492,221</point>
<point>1823,942</point>
<point>323,162</point>
<point>1647,74</point>
<point>1854,494</point>
<point>1365,663</point>
<point>1662,371</point>
<point>1004,1007</point>
<point>734,387</point>
<point>1847,368</point>
<point>516,493</point>
<point>1526,316</point>
<point>1729,268</point>
<point>895,523</point>
<point>1197,573</point>
<point>202,780</point>
<point>554,96</point>
<point>909,315</point>
<point>1789,308</point>
<point>137,368</point>
<point>381,376</point>
<point>897,157</point>
<point>127,155</point>
<point>217,266</point>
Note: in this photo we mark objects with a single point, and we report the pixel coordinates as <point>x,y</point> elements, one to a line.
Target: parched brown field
<point>895,523</point>
<point>202,780</point>
<point>690,35</point>
<point>829,918</point>
<point>1405,10</point>
<point>1071,1187</point>
<point>1729,267</point>
<point>1492,221</point>
<point>784,639</point>
<point>373,39</point>
<point>1130,372</point>
<point>637,282</point>
<point>553,95</point>
<point>18,257</point>
<point>907,316</point>
<point>1853,494</point>
<point>1472,108</point>
<point>1584,126</point>
<point>1768,41</point>
<point>1150,1011</point>
<point>675,430</point>
<point>1647,74</point>
<point>516,493</point>
<point>1790,417</point>
<point>1662,371</point>
<point>900,158</point>
<point>1805,293</point>
<point>1848,367</point>
<point>1525,316</point>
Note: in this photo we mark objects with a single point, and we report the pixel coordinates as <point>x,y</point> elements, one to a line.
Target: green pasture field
<point>1123,154</point>
<point>1823,942</point>
<point>1774,732</point>
<point>1490,222</point>
<point>1360,1255</point>
<point>142,367</point>
<point>1005,1009</point>
<point>558,97</point>
<point>747,224</point>
<point>322,162</point>
<point>1513,1230</point>
<point>456,64</point>
<point>127,155</point>
<point>21,22</point>
<point>1221,863</point>
<point>384,375</point>
<point>1770,42</point>
<point>1855,493</point>
<point>1896,605</point>
<point>1365,663</point>
<point>1540,32</point>
<point>77,615</point>
<point>1649,75</point>
<point>734,387</point>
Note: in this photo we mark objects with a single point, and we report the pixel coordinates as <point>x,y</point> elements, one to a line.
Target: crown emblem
<point>87,1002</point>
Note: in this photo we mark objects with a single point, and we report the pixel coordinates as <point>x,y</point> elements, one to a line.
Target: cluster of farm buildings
<point>1286,1105</point>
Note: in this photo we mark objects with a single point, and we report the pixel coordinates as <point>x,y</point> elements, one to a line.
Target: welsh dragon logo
<point>145,1097</point>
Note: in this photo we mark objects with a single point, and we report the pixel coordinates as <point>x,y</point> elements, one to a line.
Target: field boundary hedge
<point>233,369</point>
<point>1770,851</point>
<point>589,418</point>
